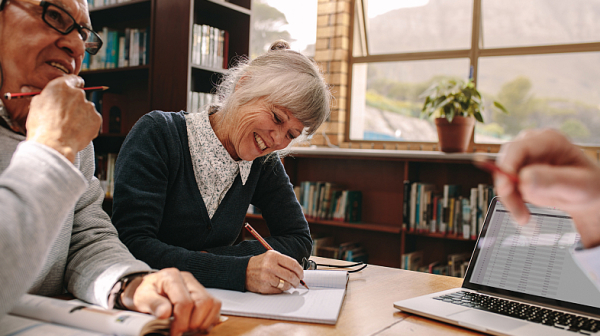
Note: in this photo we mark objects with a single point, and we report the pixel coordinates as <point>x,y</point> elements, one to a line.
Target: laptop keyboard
<point>523,311</point>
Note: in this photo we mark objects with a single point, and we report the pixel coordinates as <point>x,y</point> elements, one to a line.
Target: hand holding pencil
<point>61,118</point>
<point>272,272</point>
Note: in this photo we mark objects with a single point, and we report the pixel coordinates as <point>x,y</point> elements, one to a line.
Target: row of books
<point>126,48</point>
<point>329,201</point>
<point>455,266</point>
<point>198,100</point>
<point>105,172</point>
<point>102,3</point>
<point>349,251</point>
<point>210,46</point>
<point>426,209</point>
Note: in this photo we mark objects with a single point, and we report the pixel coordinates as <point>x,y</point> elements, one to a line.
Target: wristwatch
<point>114,297</point>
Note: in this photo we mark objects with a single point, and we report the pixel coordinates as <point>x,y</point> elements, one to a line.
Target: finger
<point>171,283</point>
<point>288,276</point>
<point>561,187</point>
<point>511,198</point>
<point>203,314</point>
<point>75,81</point>
<point>290,264</point>
<point>213,316</point>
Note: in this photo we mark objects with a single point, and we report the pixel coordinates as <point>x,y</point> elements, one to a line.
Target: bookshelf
<point>380,175</point>
<point>164,81</point>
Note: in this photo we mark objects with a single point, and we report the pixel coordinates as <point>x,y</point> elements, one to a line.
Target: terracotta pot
<point>454,137</point>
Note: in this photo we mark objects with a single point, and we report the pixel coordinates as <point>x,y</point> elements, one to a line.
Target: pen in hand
<point>265,244</point>
<point>489,165</point>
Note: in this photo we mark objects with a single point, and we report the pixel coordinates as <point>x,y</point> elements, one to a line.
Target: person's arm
<point>37,191</point>
<point>40,186</point>
<point>290,236</point>
<point>274,195</point>
<point>141,181</point>
<point>97,258</point>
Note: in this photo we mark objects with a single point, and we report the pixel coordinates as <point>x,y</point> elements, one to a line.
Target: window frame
<point>477,51</point>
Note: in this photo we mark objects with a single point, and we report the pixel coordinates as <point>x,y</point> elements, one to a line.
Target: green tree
<point>516,98</point>
<point>266,27</point>
<point>574,128</point>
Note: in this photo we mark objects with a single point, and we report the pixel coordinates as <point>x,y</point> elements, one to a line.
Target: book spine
<point>405,204</point>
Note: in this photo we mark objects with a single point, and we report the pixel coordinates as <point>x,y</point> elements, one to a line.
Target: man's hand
<point>552,172</point>
<point>265,271</point>
<point>61,118</point>
<point>171,292</point>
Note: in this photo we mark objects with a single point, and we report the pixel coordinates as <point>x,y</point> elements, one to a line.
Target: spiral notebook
<point>321,303</point>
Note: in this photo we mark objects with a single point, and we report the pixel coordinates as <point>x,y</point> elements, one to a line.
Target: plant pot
<point>454,137</point>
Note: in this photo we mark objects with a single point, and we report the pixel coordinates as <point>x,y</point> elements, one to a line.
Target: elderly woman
<point>184,181</point>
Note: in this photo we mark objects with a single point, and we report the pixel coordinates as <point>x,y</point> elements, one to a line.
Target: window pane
<point>512,23</point>
<point>385,98</point>
<point>558,91</point>
<point>418,25</point>
<point>293,21</point>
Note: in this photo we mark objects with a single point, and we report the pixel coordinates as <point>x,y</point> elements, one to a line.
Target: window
<point>541,59</point>
<point>293,21</point>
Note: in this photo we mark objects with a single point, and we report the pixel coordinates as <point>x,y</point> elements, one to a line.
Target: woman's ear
<point>241,82</point>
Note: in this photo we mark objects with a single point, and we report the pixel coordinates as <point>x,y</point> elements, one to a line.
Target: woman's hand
<point>265,271</point>
<point>552,172</point>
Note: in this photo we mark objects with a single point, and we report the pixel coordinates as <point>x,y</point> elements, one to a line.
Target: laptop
<point>521,280</point>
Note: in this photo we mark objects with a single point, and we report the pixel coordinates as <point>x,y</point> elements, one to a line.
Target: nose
<point>72,44</point>
<point>280,140</point>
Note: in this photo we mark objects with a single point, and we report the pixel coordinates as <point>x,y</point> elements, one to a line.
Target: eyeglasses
<point>60,20</point>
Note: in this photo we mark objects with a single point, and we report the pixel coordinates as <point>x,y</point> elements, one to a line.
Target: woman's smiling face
<point>261,128</point>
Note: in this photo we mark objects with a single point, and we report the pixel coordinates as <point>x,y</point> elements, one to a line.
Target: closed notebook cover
<point>320,304</point>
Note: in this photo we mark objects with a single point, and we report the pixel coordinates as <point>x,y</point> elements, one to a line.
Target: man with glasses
<point>54,236</point>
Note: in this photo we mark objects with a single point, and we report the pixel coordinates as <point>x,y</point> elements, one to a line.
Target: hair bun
<point>279,45</point>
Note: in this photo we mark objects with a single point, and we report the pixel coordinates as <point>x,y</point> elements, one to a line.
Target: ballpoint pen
<point>265,244</point>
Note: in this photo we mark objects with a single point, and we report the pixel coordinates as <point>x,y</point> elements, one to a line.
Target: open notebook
<point>321,304</point>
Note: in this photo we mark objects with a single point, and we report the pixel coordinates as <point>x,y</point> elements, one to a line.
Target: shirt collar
<point>207,136</point>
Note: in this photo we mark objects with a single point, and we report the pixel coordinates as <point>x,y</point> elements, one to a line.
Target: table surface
<point>367,309</point>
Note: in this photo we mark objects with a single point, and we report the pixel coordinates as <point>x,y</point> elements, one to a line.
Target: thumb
<point>161,307</point>
<point>151,302</point>
<point>561,187</point>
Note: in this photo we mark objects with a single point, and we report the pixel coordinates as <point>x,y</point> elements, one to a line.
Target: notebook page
<point>318,305</point>
<point>325,278</point>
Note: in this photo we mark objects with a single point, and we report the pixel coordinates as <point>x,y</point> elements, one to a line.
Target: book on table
<point>321,303</point>
<point>39,315</point>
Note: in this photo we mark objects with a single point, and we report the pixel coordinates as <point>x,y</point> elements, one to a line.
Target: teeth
<point>260,142</point>
<point>59,67</point>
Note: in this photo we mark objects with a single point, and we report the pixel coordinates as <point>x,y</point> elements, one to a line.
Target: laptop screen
<point>531,262</point>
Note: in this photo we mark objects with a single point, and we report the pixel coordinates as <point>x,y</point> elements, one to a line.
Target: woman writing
<point>183,181</point>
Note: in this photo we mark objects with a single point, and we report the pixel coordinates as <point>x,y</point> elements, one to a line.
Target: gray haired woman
<point>183,181</point>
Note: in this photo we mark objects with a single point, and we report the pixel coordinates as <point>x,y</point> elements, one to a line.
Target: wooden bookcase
<point>380,175</point>
<point>164,83</point>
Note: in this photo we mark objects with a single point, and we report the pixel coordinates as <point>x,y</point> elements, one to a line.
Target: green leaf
<point>500,107</point>
<point>478,116</point>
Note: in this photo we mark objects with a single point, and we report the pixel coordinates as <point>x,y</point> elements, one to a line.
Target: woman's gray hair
<point>283,77</point>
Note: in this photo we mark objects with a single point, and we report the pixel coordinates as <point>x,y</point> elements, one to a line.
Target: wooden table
<point>367,309</point>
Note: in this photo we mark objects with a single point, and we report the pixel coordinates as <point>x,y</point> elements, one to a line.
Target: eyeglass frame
<point>45,4</point>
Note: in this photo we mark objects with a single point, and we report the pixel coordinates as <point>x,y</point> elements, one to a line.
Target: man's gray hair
<point>285,78</point>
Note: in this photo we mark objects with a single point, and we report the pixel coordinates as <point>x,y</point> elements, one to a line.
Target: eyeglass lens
<point>62,21</point>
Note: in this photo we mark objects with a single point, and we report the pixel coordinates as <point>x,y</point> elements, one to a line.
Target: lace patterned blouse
<point>214,168</point>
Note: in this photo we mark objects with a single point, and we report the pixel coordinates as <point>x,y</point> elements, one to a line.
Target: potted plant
<point>456,105</point>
